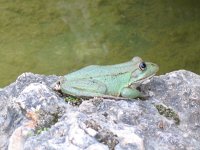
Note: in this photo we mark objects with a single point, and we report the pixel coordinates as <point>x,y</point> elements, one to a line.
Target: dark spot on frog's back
<point>120,73</point>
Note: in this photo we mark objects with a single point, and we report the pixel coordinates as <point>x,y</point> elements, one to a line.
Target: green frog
<point>119,80</point>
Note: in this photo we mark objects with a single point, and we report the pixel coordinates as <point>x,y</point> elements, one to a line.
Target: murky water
<point>60,36</point>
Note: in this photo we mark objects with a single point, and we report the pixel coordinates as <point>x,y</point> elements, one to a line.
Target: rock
<point>33,116</point>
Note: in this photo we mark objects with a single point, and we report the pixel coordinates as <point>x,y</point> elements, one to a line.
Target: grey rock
<point>33,116</point>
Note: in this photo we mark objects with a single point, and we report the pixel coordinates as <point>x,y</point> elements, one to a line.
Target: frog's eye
<point>142,66</point>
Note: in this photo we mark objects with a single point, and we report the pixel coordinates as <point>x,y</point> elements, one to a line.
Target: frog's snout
<point>154,68</point>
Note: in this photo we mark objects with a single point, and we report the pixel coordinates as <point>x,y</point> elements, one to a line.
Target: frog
<point>116,81</point>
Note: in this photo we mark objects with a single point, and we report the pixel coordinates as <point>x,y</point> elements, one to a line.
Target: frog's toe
<point>56,86</point>
<point>144,97</point>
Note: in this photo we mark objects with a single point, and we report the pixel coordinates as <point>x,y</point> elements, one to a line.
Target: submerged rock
<point>33,116</point>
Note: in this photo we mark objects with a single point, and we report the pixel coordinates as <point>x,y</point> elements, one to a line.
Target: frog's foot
<point>56,87</point>
<point>144,97</point>
<point>143,94</point>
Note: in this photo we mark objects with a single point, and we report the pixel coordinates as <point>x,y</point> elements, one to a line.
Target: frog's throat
<point>138,82</point>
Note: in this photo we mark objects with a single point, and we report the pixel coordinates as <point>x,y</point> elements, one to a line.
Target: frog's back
<point>96,71</point>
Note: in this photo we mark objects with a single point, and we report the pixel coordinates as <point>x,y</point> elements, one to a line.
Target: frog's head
<point>143,71</point>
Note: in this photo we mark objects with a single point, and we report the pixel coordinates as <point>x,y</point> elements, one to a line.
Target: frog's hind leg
<point>84,88</point>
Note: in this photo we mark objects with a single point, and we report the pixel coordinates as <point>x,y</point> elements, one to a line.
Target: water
<point>59,36</point>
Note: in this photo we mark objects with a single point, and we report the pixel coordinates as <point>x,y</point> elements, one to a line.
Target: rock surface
<point>33,116</point>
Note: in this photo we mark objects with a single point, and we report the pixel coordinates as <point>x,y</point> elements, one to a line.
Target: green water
<point>59,36</point>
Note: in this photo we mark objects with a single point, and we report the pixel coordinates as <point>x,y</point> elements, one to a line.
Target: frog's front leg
<point>130,93</point>
<point>84,88</point>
